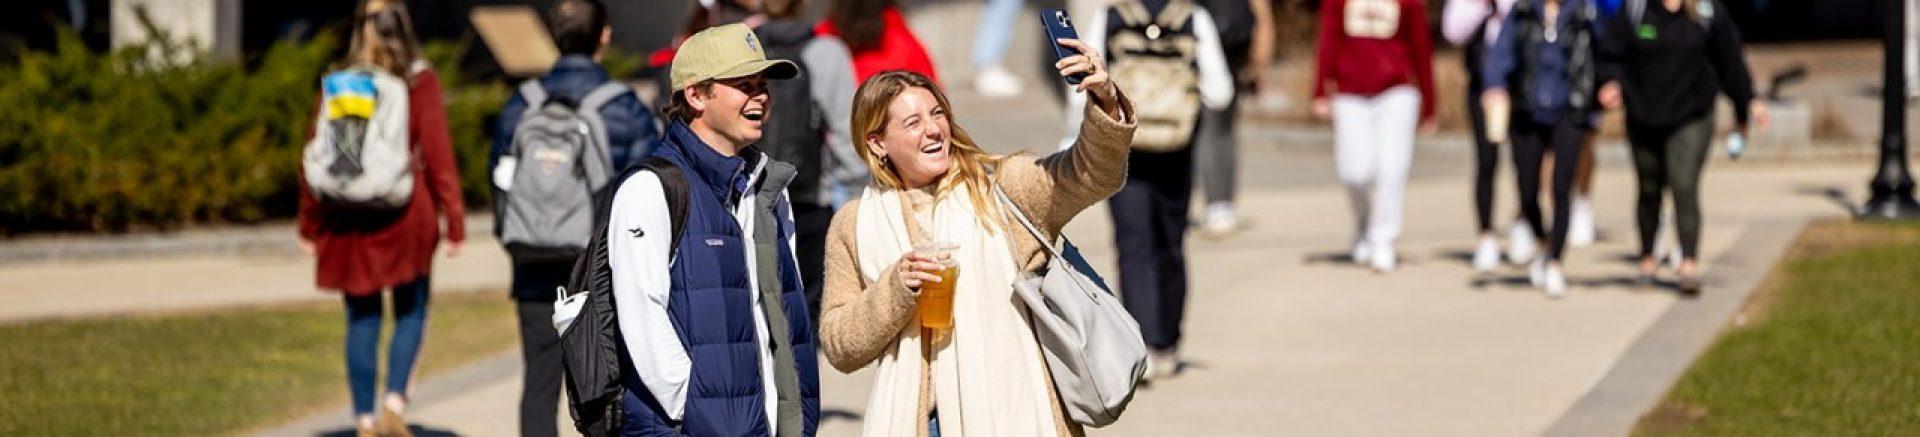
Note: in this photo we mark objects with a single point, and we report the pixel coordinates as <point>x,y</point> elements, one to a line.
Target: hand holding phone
<point>1079,64</point>
<point>1060,27</point>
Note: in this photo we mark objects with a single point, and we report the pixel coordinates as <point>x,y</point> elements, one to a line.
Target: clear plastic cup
<point>936,298</point>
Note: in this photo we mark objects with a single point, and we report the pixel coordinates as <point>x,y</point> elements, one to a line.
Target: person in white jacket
<point>1150,213</point>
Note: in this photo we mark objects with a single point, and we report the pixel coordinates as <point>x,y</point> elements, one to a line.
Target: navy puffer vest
<point>711,302</point>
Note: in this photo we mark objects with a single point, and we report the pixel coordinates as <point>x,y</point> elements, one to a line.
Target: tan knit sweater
<point>860,321</point>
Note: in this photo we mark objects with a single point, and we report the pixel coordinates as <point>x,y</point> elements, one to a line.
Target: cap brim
<point>776,69</point>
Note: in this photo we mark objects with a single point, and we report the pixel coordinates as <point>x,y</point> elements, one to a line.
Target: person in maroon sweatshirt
<point>1375,81</point>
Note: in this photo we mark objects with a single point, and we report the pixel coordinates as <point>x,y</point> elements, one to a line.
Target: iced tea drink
<point>936,298</point>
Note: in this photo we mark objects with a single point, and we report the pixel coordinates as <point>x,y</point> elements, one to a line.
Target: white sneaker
<point>1556,282</point>
<point>1221,220</point>
<point>1580,230</point>
<point>1384,259</point>
<point>1521,244</point>
<point>1487,256</point>
<point>1537,273</point>
<point>1162,364</point>
<point>1362,253</point>
<point>996,82</point>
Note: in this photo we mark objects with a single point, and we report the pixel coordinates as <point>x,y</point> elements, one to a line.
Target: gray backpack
<point>360,157</point>
<point>562,161</point>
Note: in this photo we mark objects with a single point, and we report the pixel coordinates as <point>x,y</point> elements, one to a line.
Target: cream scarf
<point>989,378</point>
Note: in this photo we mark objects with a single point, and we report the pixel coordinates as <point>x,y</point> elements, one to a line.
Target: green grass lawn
<point>211,372</point>
<point>1831,347</point>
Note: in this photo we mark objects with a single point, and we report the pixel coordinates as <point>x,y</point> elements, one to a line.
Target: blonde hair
<point>971,166</point>
<point>395,48</point>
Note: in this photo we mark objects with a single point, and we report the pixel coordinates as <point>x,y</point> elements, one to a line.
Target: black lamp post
<point>1892,186</point>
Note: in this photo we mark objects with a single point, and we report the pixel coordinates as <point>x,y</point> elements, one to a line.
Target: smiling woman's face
<point>915,139</point>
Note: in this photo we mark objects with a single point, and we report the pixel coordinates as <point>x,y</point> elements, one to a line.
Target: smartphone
<point>1060,27</point>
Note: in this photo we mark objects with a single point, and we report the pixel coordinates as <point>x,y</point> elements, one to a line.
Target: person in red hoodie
<point>360,255</point>
<point>878,36</point>
<point>1375,81</point>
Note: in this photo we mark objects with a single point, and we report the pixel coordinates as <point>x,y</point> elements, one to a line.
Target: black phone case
<point>1059,26</point>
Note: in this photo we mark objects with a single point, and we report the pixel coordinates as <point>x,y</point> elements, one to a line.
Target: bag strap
<point>673,185</point>
<point>1026,223</point>
<point>1132,13</point>
<point>603,94</point>
<point>534,93</point>
<point>1174,16</point>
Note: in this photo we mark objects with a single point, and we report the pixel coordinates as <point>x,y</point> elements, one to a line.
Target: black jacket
<point>1670,65</point>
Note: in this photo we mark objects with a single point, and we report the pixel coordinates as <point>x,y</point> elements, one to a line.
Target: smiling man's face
<point>733,108</point>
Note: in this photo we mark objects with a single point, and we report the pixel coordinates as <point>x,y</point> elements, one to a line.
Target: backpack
<point>1155,54</point>
<point>360,158</point>
<point>796,132</point>
<point>590,343</point>
<point>563,160</point>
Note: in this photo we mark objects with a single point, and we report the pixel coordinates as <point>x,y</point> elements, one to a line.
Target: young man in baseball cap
<point>714,320</point>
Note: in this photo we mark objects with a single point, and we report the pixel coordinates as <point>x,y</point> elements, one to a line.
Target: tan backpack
<point>1153,56</point>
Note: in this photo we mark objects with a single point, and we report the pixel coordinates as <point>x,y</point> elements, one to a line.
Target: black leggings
<point>1531,142</point>
<point>1670,158</point>
<point>1486,160</point>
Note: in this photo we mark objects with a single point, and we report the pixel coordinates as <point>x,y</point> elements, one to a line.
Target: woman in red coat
<point>359,255</point>
<point>878,36</point>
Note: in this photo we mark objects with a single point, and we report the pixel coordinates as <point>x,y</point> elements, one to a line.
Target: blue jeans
<point>363,337</point>
<point>933,424</point>
<point>996,28</point>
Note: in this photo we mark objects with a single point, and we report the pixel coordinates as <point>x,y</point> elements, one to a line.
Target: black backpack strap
<point>673,184</point>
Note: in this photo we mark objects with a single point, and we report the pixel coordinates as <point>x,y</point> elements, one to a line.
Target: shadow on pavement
<point>1346,259</point>
<point>1835,194</point>
<point>835,414</point>
<point>418,430</point>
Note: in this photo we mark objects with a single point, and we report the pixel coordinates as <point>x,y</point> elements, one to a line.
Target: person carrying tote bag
<point>968,361</point>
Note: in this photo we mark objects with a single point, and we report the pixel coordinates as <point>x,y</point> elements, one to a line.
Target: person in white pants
<point>1374,78</point>
<point>1372,153</point>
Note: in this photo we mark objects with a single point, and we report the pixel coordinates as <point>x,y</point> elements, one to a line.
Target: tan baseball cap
<point>725,52</point>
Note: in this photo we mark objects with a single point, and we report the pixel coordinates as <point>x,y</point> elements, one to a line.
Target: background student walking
<point>1668,59</point>
<point>359,253</point>
<point>535,141</point>
<point>1173,46</point>
<point>1246,29</point>
<point>1474,25</point>
<point>1374,78</point>
<point>1544,58</point>
<point>810,131</point>
<point>878,35</point>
